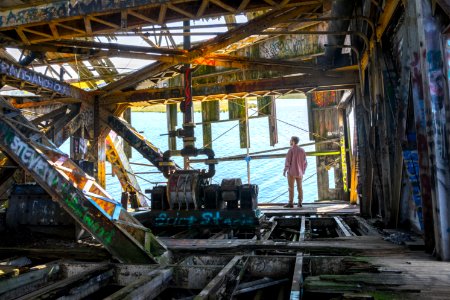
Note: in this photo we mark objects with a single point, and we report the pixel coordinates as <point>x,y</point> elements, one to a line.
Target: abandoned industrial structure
<point>375,74</point>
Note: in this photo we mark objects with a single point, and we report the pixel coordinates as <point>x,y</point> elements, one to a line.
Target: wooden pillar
<point>172,123</point>
<point>236,111</point>
<point>364,171</point>
<point>324,125</point>
<point>267,107</point>
<point>429,76</point>
<point>210,113</point>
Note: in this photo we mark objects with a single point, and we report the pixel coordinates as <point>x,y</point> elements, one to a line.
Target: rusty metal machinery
<point>186,190</point>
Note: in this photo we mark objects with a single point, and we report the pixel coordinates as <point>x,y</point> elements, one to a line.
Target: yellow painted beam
<point>388,11</point>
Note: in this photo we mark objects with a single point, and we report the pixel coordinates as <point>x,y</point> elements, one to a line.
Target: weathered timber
<point>40,81</point>
<point>217,90</point>
<point>147,287</point>
<point>218,286</point>
<point>36,277</point>
<point>342,228</point>
<point>122,169</point>
<point>361,245</point>
<point>205,48</point>
<point>76,192</point>
<point>437,117</point>
<point>297,278</point>
<point>77,287</point>
<point>136,140</point>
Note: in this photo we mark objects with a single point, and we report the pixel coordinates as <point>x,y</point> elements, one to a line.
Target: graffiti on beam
<point>33,161</point>
<point>207,218</point>
<point>411,158</point>
<point>32,77</point>
<point>62,9</point>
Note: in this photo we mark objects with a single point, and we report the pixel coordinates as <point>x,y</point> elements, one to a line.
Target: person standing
<point>295,167</point>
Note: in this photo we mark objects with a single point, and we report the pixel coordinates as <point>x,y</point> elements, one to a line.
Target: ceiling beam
<point>217,90</point>
<point>234,35</point>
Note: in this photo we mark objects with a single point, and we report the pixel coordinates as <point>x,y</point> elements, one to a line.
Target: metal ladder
<point>77,193</point>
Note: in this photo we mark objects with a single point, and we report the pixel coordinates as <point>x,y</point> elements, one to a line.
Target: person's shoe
<point>289,205</point>
<point>299,205</point>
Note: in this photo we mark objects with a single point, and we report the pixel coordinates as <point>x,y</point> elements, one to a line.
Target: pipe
<point>342,9</point>
<point>191,151</point>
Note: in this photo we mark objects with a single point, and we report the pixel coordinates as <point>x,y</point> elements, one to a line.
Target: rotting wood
<point>147,287</point>
<point>297,279</point>
<point>216,286</point>
<point>342,228</point>
<point>79,286</point>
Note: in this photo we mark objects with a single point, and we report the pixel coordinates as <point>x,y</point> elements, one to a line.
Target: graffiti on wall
<point>33,161</point>
<point>411,159</point>
<point>62,9</point>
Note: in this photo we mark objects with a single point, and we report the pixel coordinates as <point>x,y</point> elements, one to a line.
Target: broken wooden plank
<point>77,287</point>
<point>212,289</point>
<point>37,276</point>
<point>302,229</point>
<point>269,233</point>
<point>342,228</point>
<point>297,278</point>
<point>258,285</point>
<point>147,287</point>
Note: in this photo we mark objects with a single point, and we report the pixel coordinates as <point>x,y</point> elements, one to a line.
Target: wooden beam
<point>77,286</point>
<point>218,90</point>
<point>214,286</point>
<point>17,286</point>
<point>302,229</point>
<point>234,35</point>
<point>297,278</point>
<point>146,287</point>
<point>342,228</point>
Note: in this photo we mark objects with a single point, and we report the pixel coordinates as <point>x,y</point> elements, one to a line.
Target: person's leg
<point>299,190</point>
<point>291,181</point>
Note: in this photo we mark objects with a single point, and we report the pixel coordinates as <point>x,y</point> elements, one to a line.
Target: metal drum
<point>182,190</point>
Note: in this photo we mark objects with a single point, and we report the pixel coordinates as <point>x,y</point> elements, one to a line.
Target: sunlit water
<point>267,173</point>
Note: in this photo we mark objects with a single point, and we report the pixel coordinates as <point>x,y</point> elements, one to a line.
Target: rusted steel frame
<point>436,100</point>
<point>26,75</point>
<point>122,169</point>
<point>230,88</point>
<point>205,48</point>
<point>96,214</point>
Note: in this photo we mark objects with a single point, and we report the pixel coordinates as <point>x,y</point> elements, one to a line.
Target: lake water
<point>267,173</point>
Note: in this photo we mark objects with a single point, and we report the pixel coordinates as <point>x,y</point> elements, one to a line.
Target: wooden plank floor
<point>316,208</point>
<point>412,276</point>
